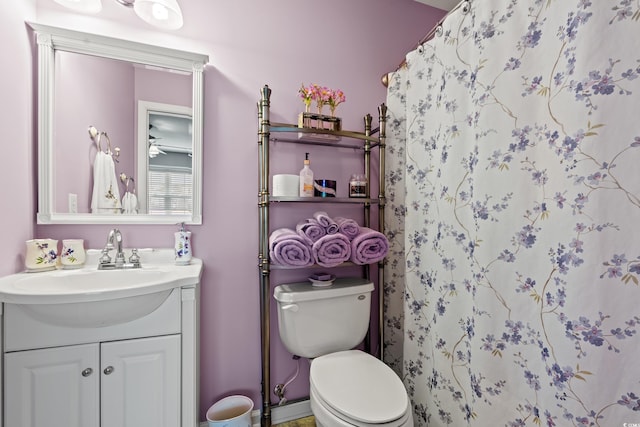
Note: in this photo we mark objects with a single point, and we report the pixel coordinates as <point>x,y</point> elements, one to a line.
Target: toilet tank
<point>314,321</point>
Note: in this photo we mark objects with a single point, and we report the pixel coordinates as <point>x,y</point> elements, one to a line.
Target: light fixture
<point>154,150</point>
<point>165,14</point>
<point>161,13</point>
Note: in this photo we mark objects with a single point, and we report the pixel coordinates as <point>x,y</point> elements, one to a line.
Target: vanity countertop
<point>158,273</point>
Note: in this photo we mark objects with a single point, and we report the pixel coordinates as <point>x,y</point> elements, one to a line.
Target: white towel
<point>106,194</point>
<point>129,203</point>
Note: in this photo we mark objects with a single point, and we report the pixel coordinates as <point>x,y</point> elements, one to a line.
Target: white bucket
<point>232,411</point>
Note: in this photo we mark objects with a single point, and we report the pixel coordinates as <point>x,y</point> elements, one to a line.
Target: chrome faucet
<point>105,262</point>
<point>115,235</point>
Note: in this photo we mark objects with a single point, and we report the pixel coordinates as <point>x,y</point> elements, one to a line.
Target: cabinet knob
<point>87,372</point>
<point>108,370</point>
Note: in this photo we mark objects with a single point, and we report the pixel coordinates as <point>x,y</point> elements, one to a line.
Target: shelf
<point>334,144</point>
<point>282,137</point>
<point>346,200</point>
<point>289,128</point>
<point>286,267</point>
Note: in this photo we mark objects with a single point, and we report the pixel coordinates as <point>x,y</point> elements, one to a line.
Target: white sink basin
<point>70,282</point>
<point>90,297</point>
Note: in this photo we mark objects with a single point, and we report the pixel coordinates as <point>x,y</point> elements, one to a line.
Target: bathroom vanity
<point>92,348</point>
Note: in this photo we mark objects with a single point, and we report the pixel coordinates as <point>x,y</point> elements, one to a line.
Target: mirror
<point>104,101</point>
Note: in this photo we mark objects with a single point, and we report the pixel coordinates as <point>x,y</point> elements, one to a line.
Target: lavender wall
<point>17,121</point>
<point>250,43</point>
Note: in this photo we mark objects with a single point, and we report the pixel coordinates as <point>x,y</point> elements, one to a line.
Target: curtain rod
<point>466,6</point>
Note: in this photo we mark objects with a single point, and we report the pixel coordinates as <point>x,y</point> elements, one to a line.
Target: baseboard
<point>288,412</point>
<point>280,414</point>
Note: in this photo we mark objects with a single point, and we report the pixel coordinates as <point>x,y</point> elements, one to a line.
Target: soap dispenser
<point>182,246</point>
<point>306,179</point>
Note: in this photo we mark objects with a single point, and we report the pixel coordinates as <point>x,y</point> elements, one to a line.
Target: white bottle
<point>306,179</point>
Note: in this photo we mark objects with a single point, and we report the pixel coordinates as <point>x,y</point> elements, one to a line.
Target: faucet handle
<point>105,258</point>
<point>134,258</point>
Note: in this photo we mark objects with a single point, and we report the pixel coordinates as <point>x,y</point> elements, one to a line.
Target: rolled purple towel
<point>331,250</point>
<point>368,247</point>
<point>288,248</point>
<point>348,227</point>
<point>330,226</point>
<point>310,230</point>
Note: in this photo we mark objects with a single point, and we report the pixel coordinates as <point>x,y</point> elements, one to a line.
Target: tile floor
<point>300,422</point>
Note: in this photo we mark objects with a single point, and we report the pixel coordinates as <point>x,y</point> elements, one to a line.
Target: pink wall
<point>282,44</point>
<point>175,88</point>
<point>17,121</point>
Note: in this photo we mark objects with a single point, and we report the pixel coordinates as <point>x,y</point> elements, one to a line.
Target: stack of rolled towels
<point>327,242</point>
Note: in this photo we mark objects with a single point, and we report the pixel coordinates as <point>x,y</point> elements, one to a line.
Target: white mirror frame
<point>50,39</point>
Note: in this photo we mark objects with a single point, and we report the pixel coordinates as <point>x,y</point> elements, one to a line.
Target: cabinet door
<point>54,387</point>
<point>140,384</point>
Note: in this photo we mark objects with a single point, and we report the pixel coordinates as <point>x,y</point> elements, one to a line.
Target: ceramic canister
<point>73,254</point>
<point>41,255</point>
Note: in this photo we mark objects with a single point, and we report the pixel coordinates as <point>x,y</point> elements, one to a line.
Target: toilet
<point>347,387</point>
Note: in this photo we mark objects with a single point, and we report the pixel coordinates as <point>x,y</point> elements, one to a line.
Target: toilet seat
<point>325,416</point>
<point>359,389</point>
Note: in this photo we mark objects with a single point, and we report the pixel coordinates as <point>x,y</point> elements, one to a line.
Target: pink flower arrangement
<point>305,94</point>
<point>336,98</point>
<point>322,95</point>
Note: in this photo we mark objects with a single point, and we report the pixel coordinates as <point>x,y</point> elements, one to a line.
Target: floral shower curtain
<point>514,216</point>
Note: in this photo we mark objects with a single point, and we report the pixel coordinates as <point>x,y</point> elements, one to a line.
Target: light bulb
<point>159,12</point>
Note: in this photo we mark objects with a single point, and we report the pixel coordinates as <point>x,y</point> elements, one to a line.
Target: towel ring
<point>108,150</point>
<point>133,185</point>
<point>125,179</point>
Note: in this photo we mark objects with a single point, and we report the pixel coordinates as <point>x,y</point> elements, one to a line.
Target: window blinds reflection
<point>170,191</point>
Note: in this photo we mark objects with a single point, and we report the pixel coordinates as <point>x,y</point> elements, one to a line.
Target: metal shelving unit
<point>278,132</point>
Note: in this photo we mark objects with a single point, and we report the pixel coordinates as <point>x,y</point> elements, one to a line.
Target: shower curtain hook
<point>439,30</point>
<point>466,7</point>
<point>421,49</point>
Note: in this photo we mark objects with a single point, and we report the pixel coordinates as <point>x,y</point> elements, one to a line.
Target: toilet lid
<point>359,386</point>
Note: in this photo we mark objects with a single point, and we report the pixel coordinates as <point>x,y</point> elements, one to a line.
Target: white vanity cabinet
<point>140,382</point>
<point>113,384</point>
<point>54,386</point>
<point>141,372</point>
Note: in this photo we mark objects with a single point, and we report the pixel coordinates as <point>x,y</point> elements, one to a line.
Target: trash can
<point>232,411</point>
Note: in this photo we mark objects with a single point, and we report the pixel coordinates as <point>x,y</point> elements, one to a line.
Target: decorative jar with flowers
<point>322,96</point>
